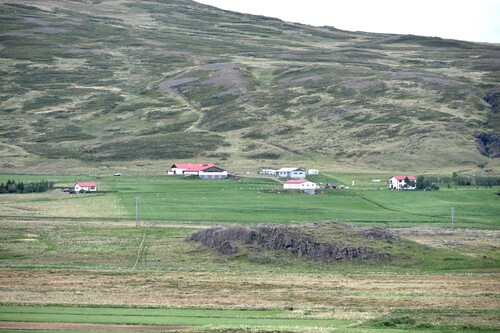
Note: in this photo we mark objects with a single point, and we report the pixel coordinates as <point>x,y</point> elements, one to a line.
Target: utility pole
<point>452,218</point>
<point>137,208</point>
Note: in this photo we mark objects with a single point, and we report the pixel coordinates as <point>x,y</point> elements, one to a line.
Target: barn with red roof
<point>203,170</point>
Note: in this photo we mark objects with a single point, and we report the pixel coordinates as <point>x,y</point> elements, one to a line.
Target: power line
<point>137,213</point>
<point>140,250</point>
<point>452,218</point>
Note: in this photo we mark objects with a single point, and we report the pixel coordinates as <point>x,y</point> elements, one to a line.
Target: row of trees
<point>12,187</point>
<point>426,183</point>
<point>433,182</point>
<point>463,180</point>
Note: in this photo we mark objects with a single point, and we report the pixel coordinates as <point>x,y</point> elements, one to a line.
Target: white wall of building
<point>307,185</point>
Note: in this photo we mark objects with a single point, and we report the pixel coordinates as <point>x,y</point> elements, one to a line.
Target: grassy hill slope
<point>141,84</point>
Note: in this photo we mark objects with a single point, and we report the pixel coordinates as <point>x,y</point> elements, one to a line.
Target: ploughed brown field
<point>237,290</point>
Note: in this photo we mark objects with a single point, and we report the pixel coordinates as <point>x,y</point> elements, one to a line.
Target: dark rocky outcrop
<point>319,241</point>
<point>493,99</point>
<point>488,144</point>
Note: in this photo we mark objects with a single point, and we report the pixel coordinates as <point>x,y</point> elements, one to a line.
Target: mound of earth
<point>318,241</point>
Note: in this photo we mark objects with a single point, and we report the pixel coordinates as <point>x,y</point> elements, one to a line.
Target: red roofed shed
<point>85,186</point>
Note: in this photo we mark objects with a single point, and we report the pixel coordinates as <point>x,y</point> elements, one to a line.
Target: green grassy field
<point>166,317</point>
<point>80,258</point>
<point>115,245</point>
<point>249,200</point>
<point>244,203</point>
<point>200,319</point>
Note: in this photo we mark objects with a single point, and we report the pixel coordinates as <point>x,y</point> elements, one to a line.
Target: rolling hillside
<point>124,84</point>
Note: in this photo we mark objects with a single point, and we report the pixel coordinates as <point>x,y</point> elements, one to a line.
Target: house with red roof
<point>85,186</point>
<point>402,183</point>
<point>204,170</point>
<point>299,184</point>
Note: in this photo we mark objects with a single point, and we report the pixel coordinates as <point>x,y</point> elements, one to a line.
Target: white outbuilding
<point>268,172</point>
<point>300,184</point>
<point>313,172</point>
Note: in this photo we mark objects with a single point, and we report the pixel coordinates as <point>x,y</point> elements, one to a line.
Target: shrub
<point>12,187</point>
<point>427,183</point>
<point>394,322</point>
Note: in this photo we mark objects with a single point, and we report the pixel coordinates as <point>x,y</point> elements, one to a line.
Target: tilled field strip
<point>87,327</point>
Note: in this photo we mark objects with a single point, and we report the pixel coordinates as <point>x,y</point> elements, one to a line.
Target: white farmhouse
<point>299,184</point>
<point>85,186</point>
<point>296,173</point>
<point>399,183</point>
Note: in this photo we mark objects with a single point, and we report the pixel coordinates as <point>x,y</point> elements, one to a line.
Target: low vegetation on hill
<point>90,84</point>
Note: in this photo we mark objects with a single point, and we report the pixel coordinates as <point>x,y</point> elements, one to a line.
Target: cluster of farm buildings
<point>297,177</point>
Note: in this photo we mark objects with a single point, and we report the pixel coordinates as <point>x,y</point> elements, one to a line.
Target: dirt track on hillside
<point>88,327</point>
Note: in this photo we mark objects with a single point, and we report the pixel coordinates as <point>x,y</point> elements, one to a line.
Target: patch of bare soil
<point>11,325</point>
<point>165,85</point>
<point>228,75</point>
<point>364,84</point>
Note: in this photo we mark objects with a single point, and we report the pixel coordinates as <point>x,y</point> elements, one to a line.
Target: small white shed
<point>268,172</point>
